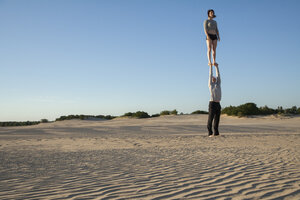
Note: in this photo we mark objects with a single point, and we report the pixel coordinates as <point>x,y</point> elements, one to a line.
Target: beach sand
<point>168,157</point>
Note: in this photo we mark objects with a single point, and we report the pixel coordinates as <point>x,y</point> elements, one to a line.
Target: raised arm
<point>218,75</point>
<point>210,76</point>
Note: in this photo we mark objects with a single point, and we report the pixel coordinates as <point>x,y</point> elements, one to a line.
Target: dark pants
<point>213,115</point>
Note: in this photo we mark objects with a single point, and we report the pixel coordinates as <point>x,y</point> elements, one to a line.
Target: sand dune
<point>167,157</point>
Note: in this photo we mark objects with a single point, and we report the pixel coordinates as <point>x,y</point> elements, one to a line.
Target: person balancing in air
<point>214,83</point>
<point>212,36</point>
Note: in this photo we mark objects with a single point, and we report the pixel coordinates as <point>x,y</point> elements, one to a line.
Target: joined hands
<point>213,64</point>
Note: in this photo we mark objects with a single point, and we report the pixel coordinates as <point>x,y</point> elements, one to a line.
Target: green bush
<point>141,114</point>
<point>242,110</point>
<point>279,110</point>
<point>266,110</point>
<point>44,121</point>
<point>138,114</point>
<point>83,117</point>
<point>292,110</point>
<point>240,114</point>
<point>155,115</point>
<point>174,112</point>
<point>251,109</point>
<point>165,112</point>
<point>61,118</point>
<point>231,110</point>
<point>108,117</point>
<point>199,112</point>
<point>129,114</point>
<point>27,123</point>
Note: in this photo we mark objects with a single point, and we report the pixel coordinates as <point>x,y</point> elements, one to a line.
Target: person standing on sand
<point>214,84</point>
<point>212,36</point>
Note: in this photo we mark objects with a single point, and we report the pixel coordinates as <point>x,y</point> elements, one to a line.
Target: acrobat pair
<point>214,83</point>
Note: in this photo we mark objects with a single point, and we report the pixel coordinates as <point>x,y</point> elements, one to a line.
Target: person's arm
<point>218,33</point>
<point>205,28</point>
<point>218,75</point>
<point>210,76</point>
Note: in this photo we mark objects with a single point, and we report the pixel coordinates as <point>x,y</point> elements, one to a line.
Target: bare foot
<point>216,64</point>
<point>210,64</point>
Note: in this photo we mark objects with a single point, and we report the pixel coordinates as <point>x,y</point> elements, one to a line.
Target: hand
<point>219,39</point>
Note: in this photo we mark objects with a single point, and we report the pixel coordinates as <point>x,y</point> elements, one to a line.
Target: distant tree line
<point>83,117</point>
<point>69,117</point>
<point>27,123</point>
<point>241,110</point>
<point>251,109</point>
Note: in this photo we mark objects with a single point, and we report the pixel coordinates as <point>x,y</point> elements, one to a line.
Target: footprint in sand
<point>137,144</point>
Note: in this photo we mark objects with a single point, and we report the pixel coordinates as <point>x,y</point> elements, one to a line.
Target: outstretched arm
<point>210,76</point>
<point>218,74</point>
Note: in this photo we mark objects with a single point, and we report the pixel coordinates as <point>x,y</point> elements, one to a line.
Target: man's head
<point>214,79</point>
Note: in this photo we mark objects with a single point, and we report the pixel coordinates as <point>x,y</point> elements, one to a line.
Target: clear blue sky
<point>61,57</point>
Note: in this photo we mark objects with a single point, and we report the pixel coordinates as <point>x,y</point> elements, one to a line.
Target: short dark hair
<point>211,10</point>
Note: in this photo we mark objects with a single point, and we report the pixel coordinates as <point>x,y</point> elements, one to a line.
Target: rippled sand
<point>159,158</point>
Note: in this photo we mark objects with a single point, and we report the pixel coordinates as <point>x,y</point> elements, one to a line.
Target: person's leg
<point>214,51</point>
<point>211,114</point>
<point>209,46</point>
<point>217,119</point>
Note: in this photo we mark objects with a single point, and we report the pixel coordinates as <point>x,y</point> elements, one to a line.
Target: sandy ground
<point>167,157</point>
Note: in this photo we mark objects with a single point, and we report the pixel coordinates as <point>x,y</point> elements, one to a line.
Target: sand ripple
<point>152,166</point>
<point>189,173</point>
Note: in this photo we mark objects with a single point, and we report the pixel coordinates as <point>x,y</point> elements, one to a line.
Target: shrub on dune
<point>141,114</point>
<point>165,112</point>
<point>199,112</point>
<point>251,109</point>
<point>44,121</point>
<point>174,112</point>
<point>129,114</point>
<point>155,115</point>
<point>138,114</point>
